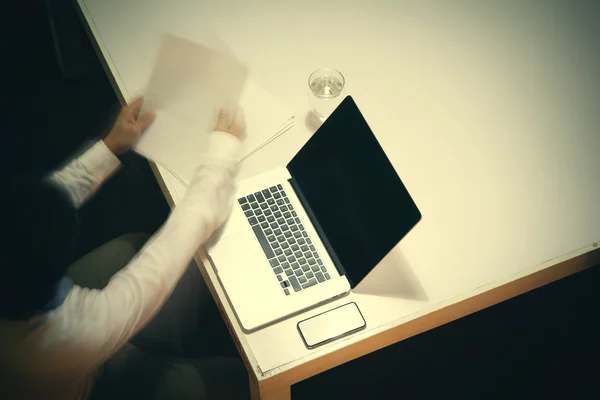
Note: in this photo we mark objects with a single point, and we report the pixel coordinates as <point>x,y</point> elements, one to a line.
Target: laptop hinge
<point>315,222</point>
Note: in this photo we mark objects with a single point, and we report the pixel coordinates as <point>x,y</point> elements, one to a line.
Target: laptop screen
<point>356,200</point>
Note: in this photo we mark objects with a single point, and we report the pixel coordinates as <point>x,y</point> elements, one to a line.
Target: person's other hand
<point>128,128</point>
<point>236,125</point>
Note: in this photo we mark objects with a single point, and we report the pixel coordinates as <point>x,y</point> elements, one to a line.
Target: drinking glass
<point>326,87</point>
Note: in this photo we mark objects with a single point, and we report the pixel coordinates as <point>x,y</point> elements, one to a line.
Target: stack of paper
<point>189,85</point>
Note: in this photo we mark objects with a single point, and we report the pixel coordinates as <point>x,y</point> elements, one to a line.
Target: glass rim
<point>324,69</point>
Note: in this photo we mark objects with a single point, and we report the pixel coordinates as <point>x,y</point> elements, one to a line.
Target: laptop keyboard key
<point>262,218</point>
<point>258,212</point>
<point>273,189</point>
<point>281,258</point>
<point>274,262</point>
<point>277,195</point>
<point>295,284</point>
<point>262,239</point>
<point>301,241</point>
<point>295,247</point>
<point>291,259</point>
<point>315,268</point>
<point>254,206</point>
<point>320,261</point>
<point>311,261</point>
<point>305,234</point>
<point>268,231</point>
<point>327,276</point>
<point>280,202</point>
<point>259,197</point>
<point>285,227</point>
<point>279,278</point>
<point>295,265</point>
<point>294,214</point>
<point>286,291</point>
<point>279,187</point>
<point>298,235</point>
<point>308,241</point>
<point>302,261</point>
<point>305,268</point>
<point>298,254</point>
<point>253,221</point>
<point>264,225</point>
<point>304,247</point>
<point>302,279</point>
<point>287,215</point>
<point>309,274</point>
<point>278,252</point>
<point>251,198</point>
<point>289,272</point>
<point>294,228</point>
<point>320,277</point>
<point>266,193</point>
<point>288,252</point>
<point>285,284</point>
<point>277,232</point>
<point>264,206</point>
<point>271,238</point>
<point>274,245</point>
<point>249,213</point>
<point>298,272</point>
<point>267,213</point>
<point>281,221</point>
<point>312,248</point>
<point>273,225</point>
<point>287,200</point>
<point>274,208</point>
<point>290,221</point>
<point>278,270</point>
<point>311,282</point>
<point>283,208</point>
<point>288,234</point>
<point>242,200</point>
<point>302,228</point>
<point>280,238</point>
<point>246,207</point>
<point>271,219</point>
<point>284,245</point>
<point>285,265</point>
<point>277,214</point>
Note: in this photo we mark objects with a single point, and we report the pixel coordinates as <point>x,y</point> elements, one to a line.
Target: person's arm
<point>101,321</point>
<point>82,176</point>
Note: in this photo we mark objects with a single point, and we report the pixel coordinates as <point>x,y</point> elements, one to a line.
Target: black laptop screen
<point>356,200</point>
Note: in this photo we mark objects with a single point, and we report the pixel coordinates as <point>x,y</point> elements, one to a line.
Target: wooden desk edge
<point>280,379</point>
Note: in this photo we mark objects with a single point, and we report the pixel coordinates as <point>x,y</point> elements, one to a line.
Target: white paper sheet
<point>188,86</point>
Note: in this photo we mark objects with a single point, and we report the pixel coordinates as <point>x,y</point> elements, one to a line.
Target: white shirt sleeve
<point>96,323</point>
<point>83,175</point>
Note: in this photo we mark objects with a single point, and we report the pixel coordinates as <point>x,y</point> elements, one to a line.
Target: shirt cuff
<point>99,160</point>
<point>223,149</point>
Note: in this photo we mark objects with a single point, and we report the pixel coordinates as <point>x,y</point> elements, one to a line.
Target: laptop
<point>302,235</point>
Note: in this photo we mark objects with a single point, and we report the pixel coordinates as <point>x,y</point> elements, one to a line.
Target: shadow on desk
<point>393,277</point>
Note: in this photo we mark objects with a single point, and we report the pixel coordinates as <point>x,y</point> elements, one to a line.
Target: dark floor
<point>542,344</point>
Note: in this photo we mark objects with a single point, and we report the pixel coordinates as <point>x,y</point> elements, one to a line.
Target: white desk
<point>487,111</point>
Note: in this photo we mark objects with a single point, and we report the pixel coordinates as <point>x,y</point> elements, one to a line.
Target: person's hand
<point>235,125</point>
<point>128,128</point>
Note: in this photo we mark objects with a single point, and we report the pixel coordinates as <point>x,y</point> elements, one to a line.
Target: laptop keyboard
<point>289,249</point>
